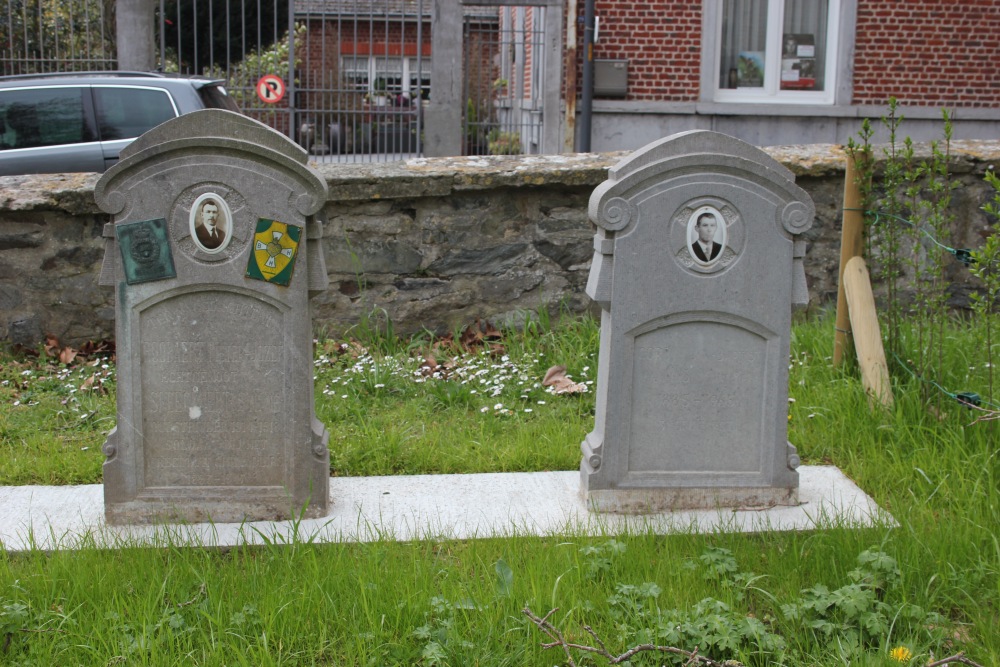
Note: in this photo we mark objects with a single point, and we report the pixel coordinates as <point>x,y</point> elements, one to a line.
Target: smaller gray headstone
<point>698,263</point>
<point>214,253</point>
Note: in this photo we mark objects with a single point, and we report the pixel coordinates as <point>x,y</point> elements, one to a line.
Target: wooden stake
<point>867,337</point>
<point>851,245</point>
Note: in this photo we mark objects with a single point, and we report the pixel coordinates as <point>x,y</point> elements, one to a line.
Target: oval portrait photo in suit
<point>211,223</point>
<point>706,235</point>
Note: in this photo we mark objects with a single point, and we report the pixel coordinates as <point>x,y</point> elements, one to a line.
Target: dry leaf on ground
<point>51,346</point>
<point>561,383</point>
<point>430,366</point>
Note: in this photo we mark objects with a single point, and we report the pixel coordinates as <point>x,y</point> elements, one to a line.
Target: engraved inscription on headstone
<point>215,390</point>
<point>698,263</point>
<point>198,383</point>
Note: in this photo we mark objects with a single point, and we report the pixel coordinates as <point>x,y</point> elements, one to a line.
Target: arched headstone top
<point>612,207</point>
<point>212,132</point>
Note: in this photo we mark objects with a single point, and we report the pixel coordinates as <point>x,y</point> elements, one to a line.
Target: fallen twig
<point>958,658</point>
<point>552,631</point>
<point>693,658</point>
<point>197,595</point>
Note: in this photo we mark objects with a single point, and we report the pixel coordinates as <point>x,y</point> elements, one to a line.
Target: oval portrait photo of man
<point>706,235</point>
<point>211,223</point>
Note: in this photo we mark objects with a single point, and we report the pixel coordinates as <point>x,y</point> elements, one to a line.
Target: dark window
<point>215,97</point>
<point>125,113</point>
<point>42,117</point>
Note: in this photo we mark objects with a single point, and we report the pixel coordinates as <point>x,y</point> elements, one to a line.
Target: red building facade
<point>793,71</point>
<point>922,52</point>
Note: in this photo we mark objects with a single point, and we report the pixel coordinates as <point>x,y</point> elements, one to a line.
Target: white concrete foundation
<point>418,507</point>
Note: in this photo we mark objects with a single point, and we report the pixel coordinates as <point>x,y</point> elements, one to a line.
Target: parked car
<point>69,122</point>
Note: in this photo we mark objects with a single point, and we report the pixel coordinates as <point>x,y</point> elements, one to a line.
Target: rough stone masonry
<point>430,242</point>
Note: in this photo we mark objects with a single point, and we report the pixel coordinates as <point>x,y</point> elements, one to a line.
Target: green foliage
<point>242,77</point>
<point>221,31</point>
<point>713,626</point>
<point>907,203</point>
<point>863,613</point>
<point>986,267</point>
<point>720,631</point>
<point>719,563</point>
<point>824,597</point>
<point>65,36</point>
<point>599,558</point>
<point>504,143</point>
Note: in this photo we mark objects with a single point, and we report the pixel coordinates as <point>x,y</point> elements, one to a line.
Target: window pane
<point>388,75</point>
<point>743,44</point>
<point>354,70</point>
<point>420,80</point>
<point>33,118</point>
<point>125,113</point>
<point>803,39</point>
<point>216,97</point>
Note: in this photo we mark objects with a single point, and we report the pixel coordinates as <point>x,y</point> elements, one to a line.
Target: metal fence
<point>362,76</point>
<point>63,36</point>
<point>504,59</point>
<point>356,74</point>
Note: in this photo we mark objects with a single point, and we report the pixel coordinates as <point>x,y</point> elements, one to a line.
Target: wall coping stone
<point>428,177</point>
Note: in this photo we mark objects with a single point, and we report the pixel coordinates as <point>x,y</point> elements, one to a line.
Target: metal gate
<point>504,60</point>
<point>362,76</point>
<point>68,36</point>
<point>356,74</point>
<point>355,71</point>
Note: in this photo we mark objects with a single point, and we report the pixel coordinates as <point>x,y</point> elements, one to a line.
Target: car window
<point>36,117</point>
<point>125,113</point>
<point>216,97</point>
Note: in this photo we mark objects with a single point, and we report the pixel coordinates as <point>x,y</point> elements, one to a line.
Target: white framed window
<point>388,75</point>
<point>775,51</point>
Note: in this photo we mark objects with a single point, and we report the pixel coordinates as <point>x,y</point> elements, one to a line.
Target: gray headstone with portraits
<point>214,253</point>
<point>697,265</point>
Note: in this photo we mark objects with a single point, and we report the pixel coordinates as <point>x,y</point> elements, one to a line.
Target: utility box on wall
<point>610,78</point>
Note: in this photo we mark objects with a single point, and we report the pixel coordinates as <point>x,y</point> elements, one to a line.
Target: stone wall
<point>429,243</point>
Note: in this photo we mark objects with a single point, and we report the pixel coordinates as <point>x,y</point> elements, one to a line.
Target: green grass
<point>838,596</point>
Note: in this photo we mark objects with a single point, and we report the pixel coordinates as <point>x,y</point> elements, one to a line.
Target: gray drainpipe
<point>587,92</point>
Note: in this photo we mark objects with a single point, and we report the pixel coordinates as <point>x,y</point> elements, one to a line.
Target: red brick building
<point>365,67</point>
<point>795,71</point>
<point>767,71</point>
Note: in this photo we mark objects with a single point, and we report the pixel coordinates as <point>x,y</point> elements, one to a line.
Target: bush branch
<point>958,658</point>
<point>553,632</point>
<point>693,658</point>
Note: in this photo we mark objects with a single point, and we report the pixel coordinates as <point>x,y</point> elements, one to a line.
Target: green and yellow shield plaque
<point>275,246</point>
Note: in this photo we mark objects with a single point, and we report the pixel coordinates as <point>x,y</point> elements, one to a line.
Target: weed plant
<point>840,595</point>
<point>906,204</point>
<point>985,266</point>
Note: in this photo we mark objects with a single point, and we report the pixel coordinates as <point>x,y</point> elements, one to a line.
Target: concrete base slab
<point>424,507</point>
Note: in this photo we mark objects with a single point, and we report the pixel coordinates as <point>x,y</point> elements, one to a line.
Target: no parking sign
<point>270,89</point>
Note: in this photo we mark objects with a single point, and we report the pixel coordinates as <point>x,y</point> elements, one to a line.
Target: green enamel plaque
<point>145,250</point>
<point>275,247</point>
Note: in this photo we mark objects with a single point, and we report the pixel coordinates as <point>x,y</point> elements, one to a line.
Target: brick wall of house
<point>928,52</point>
<point>326,40</point>
<point>661,40</point>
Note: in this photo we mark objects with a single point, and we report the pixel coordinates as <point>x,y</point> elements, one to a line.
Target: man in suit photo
<point>705,247</point>
<point>210,227</point>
